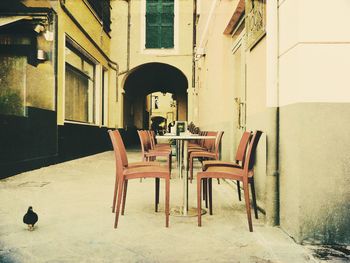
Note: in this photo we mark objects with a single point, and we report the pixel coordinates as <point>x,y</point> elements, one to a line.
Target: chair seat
<point>146,171</point>
<point>141,164</point>
<point>226,171</point>
<point>207,164</point>
<point>202,154</point>
<point>157,153</point>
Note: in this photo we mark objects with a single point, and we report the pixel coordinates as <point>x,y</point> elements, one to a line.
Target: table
<point>182,155</point>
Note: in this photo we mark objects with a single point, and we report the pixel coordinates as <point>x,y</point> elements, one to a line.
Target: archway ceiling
<point>153,77</point>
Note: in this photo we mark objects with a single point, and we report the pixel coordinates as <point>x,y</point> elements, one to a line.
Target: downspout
<point>127,41</point>
<point>194,36</point>
<point>272,72</point>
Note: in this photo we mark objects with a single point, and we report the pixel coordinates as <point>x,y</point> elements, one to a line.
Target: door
<point>239,86</point>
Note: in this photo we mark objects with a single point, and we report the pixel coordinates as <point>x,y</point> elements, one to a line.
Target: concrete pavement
<point>73,201</point>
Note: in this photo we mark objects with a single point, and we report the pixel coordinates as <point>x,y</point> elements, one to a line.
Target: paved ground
<point>73,200</point>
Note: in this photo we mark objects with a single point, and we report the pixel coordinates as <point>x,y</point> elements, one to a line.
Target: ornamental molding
<point>255,21</point>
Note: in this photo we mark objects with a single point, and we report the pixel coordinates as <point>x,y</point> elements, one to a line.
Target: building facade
<point>153,42</point>
<point>58,82</point>
<point>280,67</point>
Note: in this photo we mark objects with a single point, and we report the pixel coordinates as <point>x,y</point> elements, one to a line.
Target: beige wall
<point>313,96</point>
<point>179,57</point>
<point>214,105</point>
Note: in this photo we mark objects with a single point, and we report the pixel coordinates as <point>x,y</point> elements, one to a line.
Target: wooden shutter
<point>167,27</point>
<point>159,23</point>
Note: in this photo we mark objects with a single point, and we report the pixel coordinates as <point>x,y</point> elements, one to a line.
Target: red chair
<point>239,162</point>
<point>211,152</point>
<point>155,145</point>
<point>117,143</point>
<point>244,174</point>
<point>149,153</point>
<point>124,174</point>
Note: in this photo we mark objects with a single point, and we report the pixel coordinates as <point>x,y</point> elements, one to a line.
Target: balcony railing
<point>102,9</point>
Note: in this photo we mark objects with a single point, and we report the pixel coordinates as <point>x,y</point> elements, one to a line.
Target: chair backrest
<point>201,142</point>
<point>242,147</point>
<point>117,147</point>
<point>152,138</point>
<point>209,144</point>
<point>145,141</point>
<point>217,143</point>
<point>250,159</point>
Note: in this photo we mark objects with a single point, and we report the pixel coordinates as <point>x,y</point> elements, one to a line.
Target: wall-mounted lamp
<point>41,55</point>
<point>39,28</point>
<point>48,35</point>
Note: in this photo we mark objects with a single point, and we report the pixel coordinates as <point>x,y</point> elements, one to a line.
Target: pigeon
<point>30,218</point>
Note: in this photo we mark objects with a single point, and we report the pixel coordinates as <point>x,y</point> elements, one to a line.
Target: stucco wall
<point>313,95</point>
<point>221,77</point>
<point>214,105</point>
<point>180,56</point>
<point>257,111</point>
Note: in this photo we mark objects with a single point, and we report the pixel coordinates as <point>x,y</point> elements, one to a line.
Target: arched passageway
<point>145,80</point>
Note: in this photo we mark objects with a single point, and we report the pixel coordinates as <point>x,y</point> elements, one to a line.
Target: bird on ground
<point>30,218</point>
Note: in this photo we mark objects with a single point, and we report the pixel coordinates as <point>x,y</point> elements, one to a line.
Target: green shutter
<point>152,24</point>
<point>167,34</point>
<point>159,23</point>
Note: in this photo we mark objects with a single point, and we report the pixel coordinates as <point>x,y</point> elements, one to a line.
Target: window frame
<point>85,56</point>
<point>105,97</point>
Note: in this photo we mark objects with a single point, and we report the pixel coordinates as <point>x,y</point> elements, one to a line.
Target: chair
<point>149,153</point>
<point>117,143</point>
<point>124,174</point>
<point>239,162</point>
<point>155,145</point>
<point>211,152</point>
<point>197,144</point>
<point>245,175</point>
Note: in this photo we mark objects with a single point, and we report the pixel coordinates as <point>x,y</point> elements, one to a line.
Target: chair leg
<point>115,193</point>
<point>170,163</point>
<point>191,168</point>
<point>167,201</point>
<point>205,191</point>
<point>119,200</point>
<point>124,195</point>
<point>239,191</point>
<point>210,186</point>
<point>157,194</point>
<point>199,201</point>
<point>247,204</point>
<point>252,186</point>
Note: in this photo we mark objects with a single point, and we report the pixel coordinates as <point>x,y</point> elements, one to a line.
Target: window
<point>79,87</point>
<point>12,84</point>
<point>102,9</point>
<point>25,81</point>
<point>159,23</point>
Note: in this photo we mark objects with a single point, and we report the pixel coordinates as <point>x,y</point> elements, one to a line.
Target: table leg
<point>185,177</point>
<point>182,151</point>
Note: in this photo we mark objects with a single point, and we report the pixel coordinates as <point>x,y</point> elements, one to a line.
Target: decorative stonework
<point>255,20</point>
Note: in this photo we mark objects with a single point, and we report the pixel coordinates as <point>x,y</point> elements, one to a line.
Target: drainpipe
<point>272,67</point>
<point>194,36</point>
<point>128,41</point>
